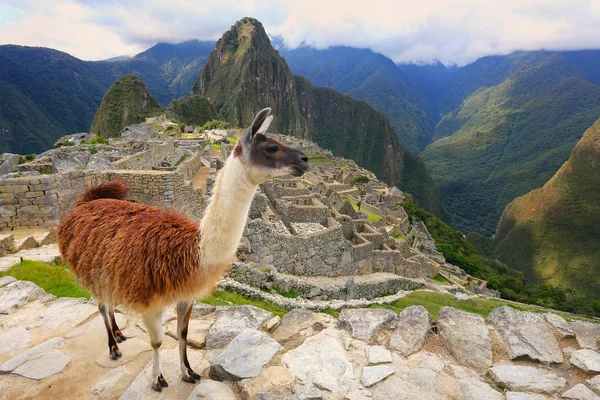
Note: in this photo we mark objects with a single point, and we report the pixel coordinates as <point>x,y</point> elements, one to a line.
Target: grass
<point>373,217</point>
<point>55,279</point>
<point>183,157</point>
<point>232,140</point>
<point>190,136</point>
<point>216,146</point>
<point>224,298</point>
<point>440,279</point>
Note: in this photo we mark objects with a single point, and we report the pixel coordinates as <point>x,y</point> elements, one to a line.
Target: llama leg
<point>153,321</point>
<point>115,328</point>
<point>184,312</point>
<point>113,349</point>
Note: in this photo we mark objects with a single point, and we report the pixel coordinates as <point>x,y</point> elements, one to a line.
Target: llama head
<point>265,158</point>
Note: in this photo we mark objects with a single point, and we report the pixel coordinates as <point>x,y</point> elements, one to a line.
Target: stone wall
<point>316,212</point>
<point>147,159</point>
<point>190,167</point>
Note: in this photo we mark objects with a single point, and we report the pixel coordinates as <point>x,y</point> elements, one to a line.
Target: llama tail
<point>116,189</point>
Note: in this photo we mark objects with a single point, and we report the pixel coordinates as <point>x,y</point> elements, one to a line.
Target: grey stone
<point>363,323</point>
<point>587,334</point>
<point>526,379</point>
<point>274,383</point>
<point>212,390</point>
<point>231,321</point>
<point>378,355</point>
<point>40,361</point>
<point>63,160</point>
<point>472,389</point>
<point>586,359</point>
<point>375,373</point>
<point>244,357</point>
<point>14,341</point>
<point>322,361</point>
<point>244,246</point>
<point>113,383</point>
<point>29,243</point>
<point>137,132</point>
<point>273,323</point>
<point>5,280</point>
<point>299,324</point>
<point>560,324</point>
<point>308,392</point>
<point>524,396</point>
<point>580,392</point>
<point>18,294</point>
<point>99,163</point>
<point>526,334</point>
<point>594,383</point>
<point>9,163</point>
<point>467,337</point>
<point>411,329</point>
<point>461,296</point>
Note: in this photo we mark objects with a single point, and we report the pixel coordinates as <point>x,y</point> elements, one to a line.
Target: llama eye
<point>272,149</point>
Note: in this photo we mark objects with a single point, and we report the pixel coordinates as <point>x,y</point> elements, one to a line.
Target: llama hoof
<point>120,337</point>
<point>157,387</point>
<point>115,353</point>
<point>194,375</point>
<point>189,379</point>
<point>162,381</point>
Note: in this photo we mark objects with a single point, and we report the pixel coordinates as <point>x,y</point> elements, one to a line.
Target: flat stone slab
<point>580,392</point>
<point>17,294</point>
<point>365,323</point>
<point>5,280</point>
<point>375,373</point>
<point>244,357</point>
<point>526,334</point>
<point>14,341</point>
<point>525,396</point>
<point>472,389</point>
<point>586,359</point>
<point>299,324</point>
<point>231,321</point>
<point>114,382</point>
<point>410,330</point>
<point>212,390</point>
<point>467,337</point>
<point>594,383</point>
<point>560,324</point>
<point>378,355</point>
<point>587,334</point>
<point>275,382</point>
<point>323,361</point>
<point>39,362</point>
<point>521,378</point>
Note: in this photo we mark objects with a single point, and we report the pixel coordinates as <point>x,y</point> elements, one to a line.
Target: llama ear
<point>263,128</point>
<point>258,122</point>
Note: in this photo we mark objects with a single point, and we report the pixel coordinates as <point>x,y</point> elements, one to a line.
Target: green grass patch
<point>190,136</point>
<point>373,217</point>
<point>224,298</point>
<point>232,140</point>
<point>441,280</point>
<point>216,146</point>
<point>55,279</point>
<point>182,159</point>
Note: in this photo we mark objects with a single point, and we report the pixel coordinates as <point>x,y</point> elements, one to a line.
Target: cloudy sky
<point>452,31</point>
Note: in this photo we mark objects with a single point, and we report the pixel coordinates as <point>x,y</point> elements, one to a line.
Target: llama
<point>144,258</point>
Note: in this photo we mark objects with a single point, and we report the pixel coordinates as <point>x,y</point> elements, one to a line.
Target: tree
<point>361,183</point>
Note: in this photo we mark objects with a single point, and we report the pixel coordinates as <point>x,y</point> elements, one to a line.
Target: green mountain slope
<point>126,102</point>
<point>509,138</point>
<point>552,233</point>
<point>372,77</point>
<point>245,74</point>
<point>191,110</point>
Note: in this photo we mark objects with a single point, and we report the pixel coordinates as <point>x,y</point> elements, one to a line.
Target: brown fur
<point>131,254</point>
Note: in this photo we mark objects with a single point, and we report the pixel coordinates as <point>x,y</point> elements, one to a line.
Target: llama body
<point>144,258</point>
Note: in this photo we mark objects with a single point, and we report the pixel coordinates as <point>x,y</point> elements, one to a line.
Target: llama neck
<point>225,218</point>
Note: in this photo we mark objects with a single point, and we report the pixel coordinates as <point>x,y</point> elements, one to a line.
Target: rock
<point>472,389</point>
<point>49,238</point>
<point>376,373</point>
<point>308,392</point>
<point>587,334</point>
<point>18,294</point>
<point>40,361</point>
<point>365,323</point>
<point>114,382</point>
<point>526,334</point>
<point>14,341</point>
<point>212,390</point>
<point>244,246</point>
<point>524,396</point>
<point>99,163</point>
<point>560,324</point>
<point>231,321</point>
<point>137,132</point>
<point>411,328</point>
<point>580,392</point>
<point>299,324</point>
<point>461,296</point>
<point>594,383</point>
<point>273,383</point>
<point>322,361</point>
<point>586,359</point>
<point>397,389</point>
<point>28,243</point>
<point>197,332</point>
<point>6,280</point>
<point>273,323</point>
<point>64,160</point>
<point>521,378</point>
<point>244,357</point>
<point>378,355</point>
<point>9,163</point>
<point>467,337</point>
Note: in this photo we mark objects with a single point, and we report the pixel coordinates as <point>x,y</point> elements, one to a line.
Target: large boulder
<point>8,163</point>
<point>560,324</point>
<point>587,334</point>
<point>274,383</point>
<point>66,160</point>
<point>580,392</point>
<point>410,330</point>
<point>212,390</point>
<point>244,357</point>
<point>375,373</point>
<point>467,337</point>
<point>137,132</point>
<point>523,378</point>
<point>99,163</point>
<point>526,334</point>
<point>472,389</point>
<point>17,294</point>
<point>231,321</point>
<point>586,359</point>
<point>322,361</point>
<point>365,323</point>
<point>299,324</point>
<point>525,396</point>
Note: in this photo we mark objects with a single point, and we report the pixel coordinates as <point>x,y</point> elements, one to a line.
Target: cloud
<point>452,31</point>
